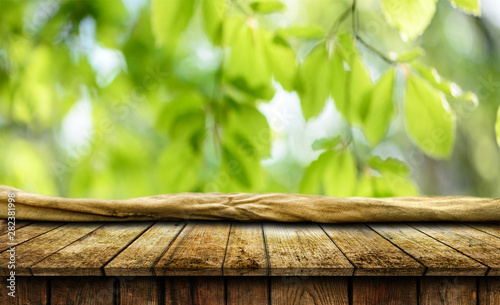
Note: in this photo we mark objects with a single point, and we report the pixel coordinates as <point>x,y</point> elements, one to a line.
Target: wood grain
<point>303,249</point>
<point>439,259</point>
<point>198,250</point>
<point>26,233</point>
<point>489,291</point>
<point>139,290</point>
<point>372,254</point>
<point>88,255</point>
<point>29,290</point>
<point>140,256</point>
<point>82,290</point>
<point>246,252</point>
<point>247,290</point>
<point>194,290</point>
<point>40,247</point>
<point>448,290</point>
<point>468,241</point>
<point>384,290</point>
<point>19,224</point>
<point>490,228</point>
<point>309,290</point>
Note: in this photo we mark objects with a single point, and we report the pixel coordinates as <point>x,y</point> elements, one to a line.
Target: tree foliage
<point>181,111</point>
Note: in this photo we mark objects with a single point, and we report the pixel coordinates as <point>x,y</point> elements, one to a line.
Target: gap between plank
<point>167,247</point>
<point>125,247</point>
<point>225,252</point>
<point>488,267</point>
<point>352,263</point>
<point>425,267</point>
<point>80,238</point>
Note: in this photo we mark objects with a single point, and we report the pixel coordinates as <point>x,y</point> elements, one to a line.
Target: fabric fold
<point>251,207</point>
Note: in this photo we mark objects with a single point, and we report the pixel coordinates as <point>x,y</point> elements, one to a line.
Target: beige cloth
<point>251,207</point>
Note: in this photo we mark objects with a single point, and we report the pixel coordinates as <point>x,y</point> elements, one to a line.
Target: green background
<point>118,99</point>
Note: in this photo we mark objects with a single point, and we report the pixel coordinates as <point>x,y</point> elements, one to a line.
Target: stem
<point>374,50</point>
<point>355,30</point>
<point>337,23</point>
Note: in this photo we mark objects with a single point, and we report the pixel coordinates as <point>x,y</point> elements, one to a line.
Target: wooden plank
<point>309,290</point>
<point>489,228</point>
<point>88,255</point>
<point>4,228</point>
<point>198,250</point>
<point>384,290</point>
<point>247,290</point>
<point>246,252</point>
<point>489,291</point>
<point>194,290</point>
<point>139,257</point>
<point>26,233</point>
<point>372,254</point>
<point>29,290</point>
<point>439,259</point>
<point>82,290</point>
<point>303,249</point>
<point>448,290</point>
<point>139,290</point>
<point>466,241</point>
<point>38,248</point>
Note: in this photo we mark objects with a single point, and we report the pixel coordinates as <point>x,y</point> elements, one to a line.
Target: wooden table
<point>253,263</point>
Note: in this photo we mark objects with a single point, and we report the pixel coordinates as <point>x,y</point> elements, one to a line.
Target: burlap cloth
<point>251,207</point>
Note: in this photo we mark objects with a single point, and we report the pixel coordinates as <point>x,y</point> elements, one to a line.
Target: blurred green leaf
<point>409,16</point>
<point>177,168</point>
<point>169,19</point>
<point>326,143</point>
<point>451,89</point>
<point>411,55</point>
<point>240,162</point>
<point>497,127</point>
<point>282,61</point>
<point>339,86</point>
<point>352,85</point>
<point>267,6</point>
<point>311,31</point>
<point>249,130</point>
<point>315,77</point>
<point>312,177</point>
<point>428,118</point>
<point>380,109</point>
<point>247,67</point>
<point>213,14</point>
<point>394,180</point>
<point>472,7</point>
<point>360,89</point>
<point>340,174</point>
<point>27,168</point>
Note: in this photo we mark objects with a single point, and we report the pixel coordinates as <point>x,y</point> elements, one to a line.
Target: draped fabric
<point>251,207</point>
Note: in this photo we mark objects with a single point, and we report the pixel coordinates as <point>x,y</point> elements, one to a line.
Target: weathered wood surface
<point>384,290</point>
<point>87,256</point>
<point>26,233</point>
<point>205,248</point>
<point>370,253</point>
<point>472,242</point>
<point>303,250</point>
<point>247,290</point>
<point>199,249</point>
<point>448,290</point>
<point>138,258</point>
<point>33,251</point>
<point>439,259</point>
<point>254,290</point>
<point>246,251</point>
<point>309,290</point>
